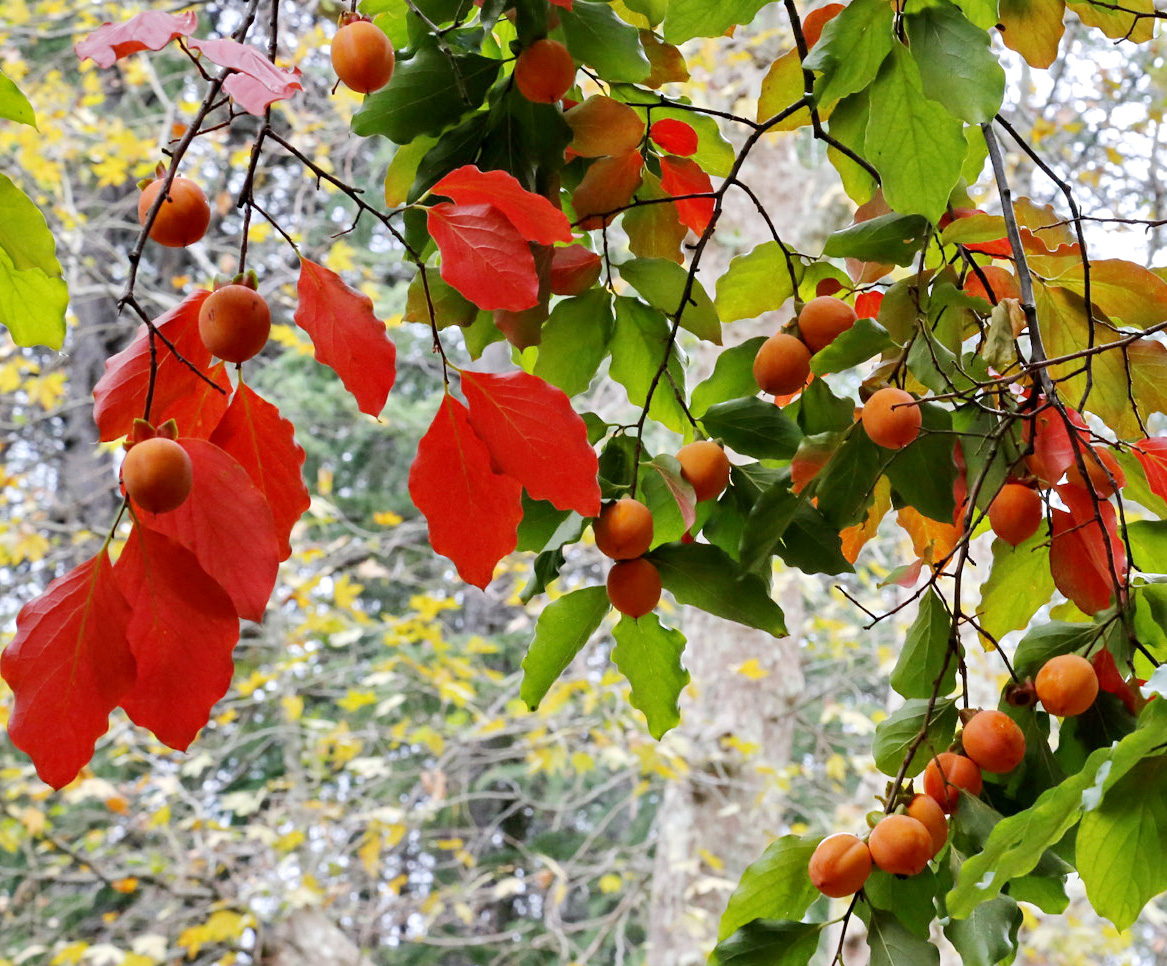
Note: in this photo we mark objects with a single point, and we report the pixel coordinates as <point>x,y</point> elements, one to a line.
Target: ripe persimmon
<point>157,475</point>
<point>823,319</point>
<point>782,365</point>
<point>234,323</point>
<point>947,774</point>
<point>1066,685</point>
<point>544,72</point>
<point>1101,469</point>
<point>624,529</point>
<point>634,587</point>
<point>1015,513</point>
<point>362,56</point>
<point>840,865</point>
<point>891,418</point>
<point>926,810</point>
<point>705,465</point>
<point>994,741</point>
<point>184,216</point>
<point>901,845</point>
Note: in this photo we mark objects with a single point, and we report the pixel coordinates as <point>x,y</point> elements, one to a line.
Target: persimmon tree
<point>553,187</point>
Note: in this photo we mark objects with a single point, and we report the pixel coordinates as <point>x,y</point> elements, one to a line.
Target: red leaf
<point>574,270</point>
<point>179,394</point>
<point>1053,451</point>
<point>347,335</point>
<point>182,633</point>
<point>149,30</point>
<point>535,436</point>
<point>534,217</point>
<point>680,176</point>
<point>227,525</point>
<point>68,666</point>
<point>674,136</point>
<point>258,82</point>
<point>1110,681</point>
<point>867,305</point>
<point>484,257</point>
<point>1152,454</point>
<point>263,443</point>
<point>1003,284</point>
<point>565,4</point>
<point>1078,558</point>
<point>473,512</point>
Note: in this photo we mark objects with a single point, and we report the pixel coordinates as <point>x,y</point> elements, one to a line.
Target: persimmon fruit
<point>634,586</point>
<point>927,811</point>
<point>157,475</point>
<point>1015,513</point>
<point>782,365</point>
<point>823,319</point>
<point>544,72</point>
<point>901,845</point>
<point>840,865</point>
<point>705,465</point>
<point>234,323</point>
<point>1066,685</point>
<point>184,216</point>
<point>362,56</point>
<point>994,741</point>
<point>891,418</point>
<point>947,774</point>
<point>1102,470</point>
<point>624,529</point>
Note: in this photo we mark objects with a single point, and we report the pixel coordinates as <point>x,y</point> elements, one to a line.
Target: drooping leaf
<point>893,944</point>
<point>148,30</point>
<point>768,942</point>
<point>925,656</point>
<point>473,512</point>
<point>681,176</point>
<point>1033,28</point>
<point>33,294</point>
<point>597,36</point>
<point>732,377</point>
<point>654,230</point>
<point>68,667</point>
<point>1019,585</point>
<point>775,886</point>
<point>753,427</point>
<point>255,82</point>
<point>347,335</point>
<point>889,238</point>
<point>638,347</point>
<point>484,257</point>
<point>575,340</point>
<point>563,628</point>
<point>957,65</point>
<point>1083,567</point>
<point>533,216</point>
<point>1121,24</point>
<point>781,88</point>
<point>852,48</point>
<point>687,19</point>
<point>14,106</point>
<point>648,654</point>
<point>674,136</point>
<point>897,732</point>
<point>603,126</point>
<point>663,283</point>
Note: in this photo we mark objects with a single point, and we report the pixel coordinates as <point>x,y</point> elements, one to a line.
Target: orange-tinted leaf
<point>473,512</point>
<point>1078,559</point>
<point>868,304</point>
<point>1002,283</point>
<point>932,540</point>
<point>574,269</point>
<point>668,63</point>
<point>1053,451</point>
<point>182,633</point>
<point>227,524</point>
<point>675,136</point>
<point>68,666</point>
<point>603,126</point>
<point>533,216</point>
<point>813,22</point>
<point>1033,28</point>
<point>607,186</point>
<point>484,257</point>
<point>263,443</point>
<point>255,82</point>
<point>148,30</point>
<point>1152,454</point>
<point>681,176</point>
<point>855,538</point>
<point>347,335</point>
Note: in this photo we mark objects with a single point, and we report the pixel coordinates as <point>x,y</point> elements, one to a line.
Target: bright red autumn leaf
<point>674,136</point>
<point>534,217</point>
<point>182,632</point>
<point>148,30</point>
<point>255,82</point>
<point>681,176</point>
<point>262,441</point>
<point>1110,681</point>
<point>227,524</point>
<point>484,257</point>
<point>68,667</point>
<point>1078,557</point>
<point>179,393</point>
<point>473,511</point>
<point>867,305</point>
<point>1152,454</point>
<point>1002,284</point>
<point>1053,450</point>
<point>347,335</point>
<point>535,436</point>
<point>574,269</point>
<point>565,4</point>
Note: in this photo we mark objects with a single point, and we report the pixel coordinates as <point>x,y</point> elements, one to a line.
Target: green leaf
<point>656,480</point>
<point>768,942</point>
<point>1019,584</point>
<point>33,295</point>
<point>542,523</point>
<point>649,656</point>
<point>706,577</point>
<point>638,346</point>
<point>562,629</point>
<point>812,545</point>
<point>892,944</point>
<point>923,473</point>
<point>662,283</point>
<point>459,145</point>
<point>895,734</point>
<point>756,282</point>
<point>575,341</point>
<point>753,427</point>
<point>957,66</point>
<point>852,48</point>
<point>864,340</point>
<point>848,126</point>
<point>912,900</point>
<point>1148,542</point>
<point>403,169</point>
<point>888,239</point>
<point>424,97</point>
<point>767,522</point>
<point>925,652</point>
<point>687,19</point>
<point>917,147</point>
<point>821,411</point>
<point>524,138</point>
<point>1050,640</point>
<point>13,104</point>
<point>846,485</point>
<point>775,886</point>
<point>732,377</point>
<point>596,36</point>
<point>989,935</point>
